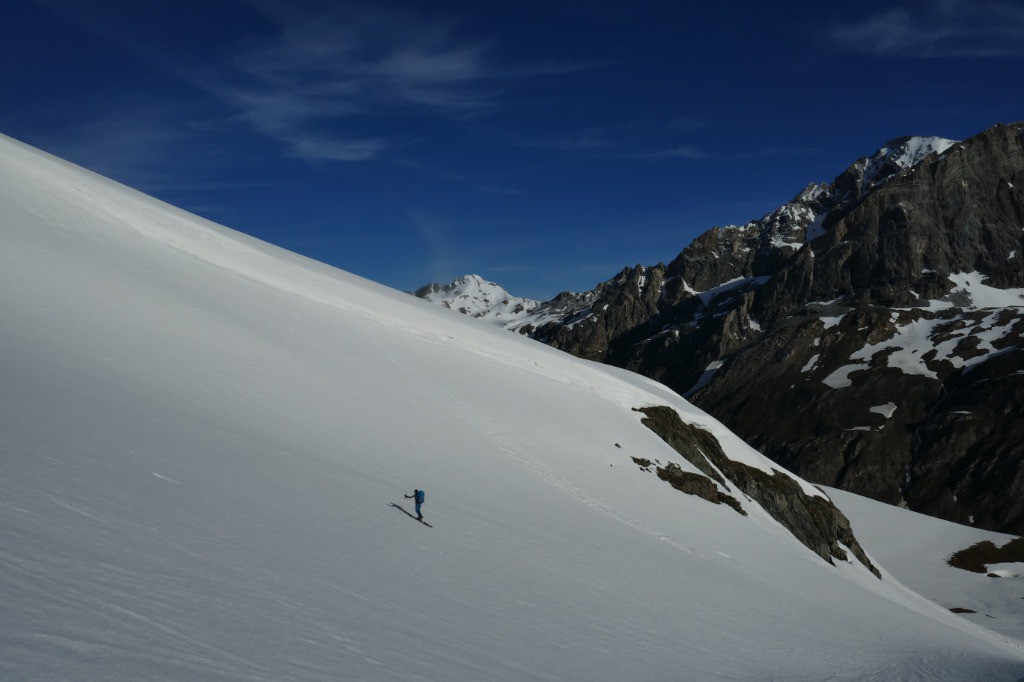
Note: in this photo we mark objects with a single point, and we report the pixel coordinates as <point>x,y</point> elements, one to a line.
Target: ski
<point>402,509</point>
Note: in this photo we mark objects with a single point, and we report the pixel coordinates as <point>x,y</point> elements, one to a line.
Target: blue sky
<point>542,145</point>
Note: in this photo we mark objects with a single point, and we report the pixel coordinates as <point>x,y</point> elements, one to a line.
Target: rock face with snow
<point>878,338</point>
<point>869,334</point>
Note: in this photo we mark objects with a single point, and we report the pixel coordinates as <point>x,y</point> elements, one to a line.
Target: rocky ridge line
<point>867,335</point>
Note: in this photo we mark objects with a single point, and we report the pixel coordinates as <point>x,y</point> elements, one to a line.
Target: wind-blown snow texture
<point>201,435</point>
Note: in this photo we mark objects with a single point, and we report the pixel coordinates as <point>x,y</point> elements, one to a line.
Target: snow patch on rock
<point>884,410</point>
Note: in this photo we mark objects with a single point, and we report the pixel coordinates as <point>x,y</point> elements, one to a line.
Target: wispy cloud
<point>338,81</point>
<point>948,28</point>
<point>681,152</point>
<point>436,233</point>
<point>637,140</point>
<point>602,147</point>
<point>692,153</point>
<point>361,70</point>
<point>313,148</point>
<point>344,70</point>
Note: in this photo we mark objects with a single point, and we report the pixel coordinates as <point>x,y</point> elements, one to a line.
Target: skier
<point>419,497</point>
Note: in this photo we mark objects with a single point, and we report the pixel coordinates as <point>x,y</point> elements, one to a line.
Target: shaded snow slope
<point>201,435</point>
<point>915,549</point>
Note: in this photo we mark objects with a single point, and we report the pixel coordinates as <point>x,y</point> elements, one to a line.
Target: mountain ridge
<point>895,248</point>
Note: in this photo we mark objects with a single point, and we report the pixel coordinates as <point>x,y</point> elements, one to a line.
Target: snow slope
<point>915,549</point>
<point>201,435</point>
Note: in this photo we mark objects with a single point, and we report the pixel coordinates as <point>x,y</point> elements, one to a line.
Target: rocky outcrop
<point>616,308</point>
<point>977,558</point>
<point>690,483</point>
<point>813,520</point>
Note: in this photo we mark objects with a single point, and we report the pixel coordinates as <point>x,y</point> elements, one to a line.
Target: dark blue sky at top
<point>542,145</point>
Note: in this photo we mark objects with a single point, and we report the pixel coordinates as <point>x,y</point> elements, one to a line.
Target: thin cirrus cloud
<point>597,146</point>
<point>320,73</point>
<point>313,148</point>
<point>362,71</point>
<point>951,28</point>
<point>628,140</point>
<point>333,81</point>
<point>681,152</point>
<point>297,85</point>
<point>436,233</point>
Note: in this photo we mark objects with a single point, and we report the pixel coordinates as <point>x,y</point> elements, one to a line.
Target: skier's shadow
<point>402,509</point>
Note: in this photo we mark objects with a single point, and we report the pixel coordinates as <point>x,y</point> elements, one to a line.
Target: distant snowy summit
<point>477,297</point>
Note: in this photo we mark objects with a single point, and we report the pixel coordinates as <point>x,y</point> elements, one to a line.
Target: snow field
<point>915,548</point>
<point>201,435</point>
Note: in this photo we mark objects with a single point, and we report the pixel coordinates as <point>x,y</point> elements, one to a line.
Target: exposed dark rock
<point>690,483</point>
<point>616,308</point>
<point>822,433</point>
<point>967,463</point>
<point>977,558</point>
<point>643,463</point>
<point>813,520</point>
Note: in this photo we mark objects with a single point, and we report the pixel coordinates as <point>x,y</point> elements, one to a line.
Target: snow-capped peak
<point>899,154</point>
<point>477,297</point>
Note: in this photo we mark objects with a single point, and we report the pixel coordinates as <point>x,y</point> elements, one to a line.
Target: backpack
<point>420,496</point>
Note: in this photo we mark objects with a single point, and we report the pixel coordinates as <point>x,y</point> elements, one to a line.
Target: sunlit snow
<point>884,410</point>
<point>983,295</point>
<point>201,436</point>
